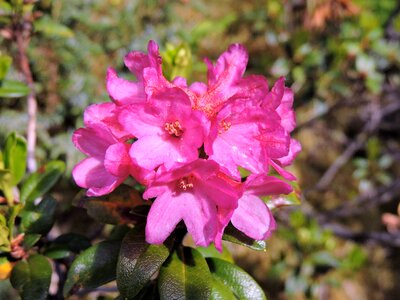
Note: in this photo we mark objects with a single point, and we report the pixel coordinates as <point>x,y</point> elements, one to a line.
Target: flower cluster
<point>188,144</point>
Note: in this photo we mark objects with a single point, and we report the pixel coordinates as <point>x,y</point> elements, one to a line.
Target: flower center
<point>174,129</point>
<point>224,126</point>
<point>185,183</point>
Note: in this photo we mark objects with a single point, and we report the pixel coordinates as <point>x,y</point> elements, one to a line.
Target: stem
<point>22,37</point>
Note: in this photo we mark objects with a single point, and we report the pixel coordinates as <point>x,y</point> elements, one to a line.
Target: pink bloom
<point>194,193</point>
<point>146,68</point>
<point>225,82</point>
<point>167,129</point>
<point>252,215</point>
<point>108,164</point>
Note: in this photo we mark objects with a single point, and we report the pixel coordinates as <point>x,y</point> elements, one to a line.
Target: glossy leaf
<point>41,181</point>
<point>122,206</point>
<point>32,278</point>
<point>185,275</point>
<point>241,283</point>
<point>233,235</point>
<point>211,251</point>
<point>93,267</point>
<point>15,152</point>
<point>67,244</point>
<point>138,261</point>
<point>220,291</point>
<point>13,89</point>
<point>40,218</point>
<point>30,240</point>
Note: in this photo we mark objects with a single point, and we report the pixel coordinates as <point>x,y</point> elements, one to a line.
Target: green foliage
<point>231,234</point>
<point>241,283</point>
<point>138,262</point>
<point>185,275</point>
<point>93,267</point>
<point>32,277</point>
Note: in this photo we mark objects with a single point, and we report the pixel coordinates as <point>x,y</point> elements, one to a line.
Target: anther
<point>174,128</point>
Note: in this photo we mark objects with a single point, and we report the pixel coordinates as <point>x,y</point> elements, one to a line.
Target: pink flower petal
<point>93,141</point>
<point>253,218</point>
<point>91,174</point>
<point>117,160</point>
<point>123,91</point>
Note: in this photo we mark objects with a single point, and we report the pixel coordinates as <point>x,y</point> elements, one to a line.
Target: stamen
<point>185,183</point>
<point>174,129</point>
<point>224,126</point>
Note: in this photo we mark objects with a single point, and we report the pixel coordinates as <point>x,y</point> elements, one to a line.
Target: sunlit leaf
<point>14,155</point>
<point>233,235</point>
<point>241,283</point>
<point>185,275</point>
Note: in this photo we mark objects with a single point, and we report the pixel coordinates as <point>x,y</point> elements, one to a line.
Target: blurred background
<point>340,57</point>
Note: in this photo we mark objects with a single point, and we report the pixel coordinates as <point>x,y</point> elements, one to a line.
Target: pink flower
<point>167,129</point>
<point>194,193</point>
<point>252,215</point>
<point>108,164</point>
<point>146,68</point>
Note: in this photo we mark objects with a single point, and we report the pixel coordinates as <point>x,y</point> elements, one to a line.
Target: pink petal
<point>91,174</point>
<point>96,113</point>
<point>93,141</point>
<point>295,148</point>
<point>285,111</point>
<point>141,120</point>
<point>263,185</point>
<point>117,160</point>
<point>253,218</point>
<point>285,174</point>
<point>123,91</point>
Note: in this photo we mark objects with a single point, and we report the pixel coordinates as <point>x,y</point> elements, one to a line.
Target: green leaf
<point>122,206</point>
<point>138,261</point>
<point>30,240</point>
<point>185,275</point>
<point>5,60</point>
<point>15,152</point>
<point>32,278</point>
<point>41,181</point>
<point>233,235</point>
<point>211,251</point>
<point>67,244</point>
<point>241,283</point>
<point>40,218</point>
<point>220,291</point>
<point>93,267</point>
<point>51,28</point>
<point>6,186</point>
<point>13,89</point>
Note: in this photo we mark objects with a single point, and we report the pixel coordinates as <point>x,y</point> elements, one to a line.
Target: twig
<point>369,128</point>
<point>22,32</point>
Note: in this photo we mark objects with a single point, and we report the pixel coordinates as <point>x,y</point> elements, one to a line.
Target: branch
<point>22,32</point>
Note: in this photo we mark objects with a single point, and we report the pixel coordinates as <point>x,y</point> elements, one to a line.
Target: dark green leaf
<point>138,261</point>
<point>241,283</point>
<point>185,275</point>
<point>41,181</point>
<point>122,206</point>
<point>40,218</point>
<point>13,89</point>
<point>93,267</point>
<point>72,241</point>
<point>32,278</point>
<point>233,235</point>
<point>15,152</point>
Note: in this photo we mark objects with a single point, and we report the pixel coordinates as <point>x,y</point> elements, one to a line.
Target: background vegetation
<point>341,58</point>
